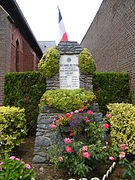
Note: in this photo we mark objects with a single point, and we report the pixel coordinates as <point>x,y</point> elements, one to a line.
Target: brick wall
<point>13,59</point>
<point>111,38</point>
<point>5,49</point>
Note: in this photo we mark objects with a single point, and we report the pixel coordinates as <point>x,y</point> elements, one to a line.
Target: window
<point>17,55</point>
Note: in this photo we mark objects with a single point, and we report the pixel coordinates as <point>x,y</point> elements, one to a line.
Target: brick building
<point>19,50</point>
<point>111,38</point>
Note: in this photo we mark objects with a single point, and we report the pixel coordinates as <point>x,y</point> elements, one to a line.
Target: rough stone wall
<point>5,49</point>
<point>85,82</point>
<point>111,38</point>
<point>46,136</point>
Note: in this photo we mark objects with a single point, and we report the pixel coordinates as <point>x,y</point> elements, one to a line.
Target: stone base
<point>46,136</point>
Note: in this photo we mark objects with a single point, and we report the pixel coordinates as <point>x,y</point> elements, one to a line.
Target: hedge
<point>111,87</point>
<point>25,90</point>
<point>122,124</point>
<point>67,100</point>
<point>12,128</point>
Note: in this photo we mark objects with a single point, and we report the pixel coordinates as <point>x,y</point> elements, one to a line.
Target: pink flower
<point>27,166</point>
<point>68,149</point>
<point>71,117</point>
<point>86,155</point>
<point>22,162</point>
<point>12,157</point>
<point>1,163</point>
<point>108,116</point>
<point>122,146</point>
<point>85,148</point>
<point>67,114</point>
<point>81,109</point>
<point>67,141</point>
<point>104,147</point>
<point>54,119</point>
<point>121,155</point>
<point>106,126</point>
<point>71,113</point>
<point>52,126</point>
<point>60,159</point>
<point>17,159</point>
<point>88,121</point>
<point>89,112</point>
<point>111,158</point>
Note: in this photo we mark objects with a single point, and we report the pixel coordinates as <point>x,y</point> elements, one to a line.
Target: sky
<point>42,17</point>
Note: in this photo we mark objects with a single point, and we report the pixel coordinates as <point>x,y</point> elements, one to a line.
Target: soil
<point>46,171</point>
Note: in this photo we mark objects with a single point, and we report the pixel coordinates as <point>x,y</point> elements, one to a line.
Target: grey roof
<point>44,45</point>
<point>69,47</point>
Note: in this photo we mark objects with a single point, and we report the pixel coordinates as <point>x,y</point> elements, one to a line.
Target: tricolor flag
<point>62,32</point>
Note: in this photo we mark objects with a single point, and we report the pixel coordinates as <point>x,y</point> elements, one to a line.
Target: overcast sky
<point>42,16</point>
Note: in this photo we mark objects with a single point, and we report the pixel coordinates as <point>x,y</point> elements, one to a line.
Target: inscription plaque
<point>69,72</point>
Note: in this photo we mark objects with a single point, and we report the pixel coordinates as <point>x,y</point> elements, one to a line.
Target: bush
<point>15,168</point>
<point>50,66</point>
<point>86,62</point>
<point>25,90</point>
<point>122,124</point>
<point>12,128</point>
<point>67,100</point>
<point>110,88</point>
<point>83,153</point>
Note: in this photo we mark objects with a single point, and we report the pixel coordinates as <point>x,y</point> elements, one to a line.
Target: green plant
<point>12,128</point>
<point>80,158</point>
<point>110,87</point>
<point>122,124</point>
<point>86,62</point>
<point>49,67</point>
<point>128,170</point>
<point>15,168</point>
<point>67,100</point>
<point>25,90</point>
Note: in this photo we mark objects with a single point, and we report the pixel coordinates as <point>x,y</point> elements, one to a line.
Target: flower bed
<point>81,156</point>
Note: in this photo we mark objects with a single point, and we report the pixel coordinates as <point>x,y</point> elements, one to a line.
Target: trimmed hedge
<point>111,87</point>
<point>25,90</point>
<point>12,128</point>
<point>50,65</point>
<point>67,100</point>
<point>122,123</point>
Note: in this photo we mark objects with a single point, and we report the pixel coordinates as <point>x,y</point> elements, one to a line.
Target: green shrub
<point>86,62</point>
<point>25,90</point>
<point>122,124</point>
<point>12,128</point>
<point>67,100</point>
<point>110,88</point>
<point>50,66</point>
<point>15,168</point>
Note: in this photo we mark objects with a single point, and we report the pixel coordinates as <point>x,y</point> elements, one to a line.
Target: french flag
<point>62,32</point>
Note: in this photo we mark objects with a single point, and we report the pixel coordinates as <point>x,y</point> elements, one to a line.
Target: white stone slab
<point>69,72</point>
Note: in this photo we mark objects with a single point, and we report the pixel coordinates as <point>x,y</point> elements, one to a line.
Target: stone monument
<point>68,77</point>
